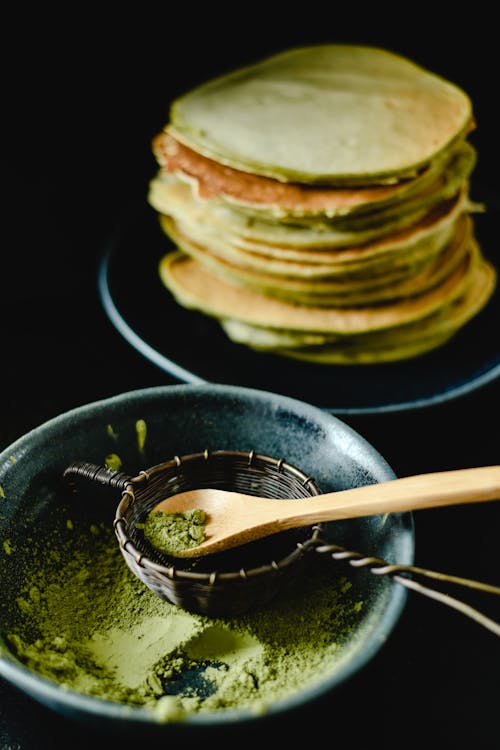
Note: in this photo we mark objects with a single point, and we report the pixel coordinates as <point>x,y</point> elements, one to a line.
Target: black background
<point>83,94</point>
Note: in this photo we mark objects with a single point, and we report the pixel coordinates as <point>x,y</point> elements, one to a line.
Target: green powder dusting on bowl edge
<point>82,619</point>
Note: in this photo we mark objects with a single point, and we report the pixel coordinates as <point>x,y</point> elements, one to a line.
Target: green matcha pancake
<point>326,114</point>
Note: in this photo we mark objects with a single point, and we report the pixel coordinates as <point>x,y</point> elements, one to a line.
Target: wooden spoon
<point>233,518</point>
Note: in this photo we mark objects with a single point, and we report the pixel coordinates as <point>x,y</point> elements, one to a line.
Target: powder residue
<point>173,532</point>
<point>113,461</point>
<point>7,547</point>
<point>141,432</point>
<point>111,432</point>
<point>81,618</point>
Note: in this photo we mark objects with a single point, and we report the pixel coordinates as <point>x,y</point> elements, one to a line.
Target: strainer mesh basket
<point>223,584</point>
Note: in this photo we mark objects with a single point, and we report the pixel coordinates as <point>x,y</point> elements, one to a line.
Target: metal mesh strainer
<point>233,582</point>
<point>228,583</point>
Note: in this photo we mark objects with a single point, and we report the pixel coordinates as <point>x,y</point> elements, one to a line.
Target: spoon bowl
<point>234,518</point>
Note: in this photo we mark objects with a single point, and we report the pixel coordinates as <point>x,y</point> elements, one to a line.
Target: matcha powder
<point>172,532</point>
<point>84,620</point>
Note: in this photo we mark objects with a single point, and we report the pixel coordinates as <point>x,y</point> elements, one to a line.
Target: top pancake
<point>328,114</point>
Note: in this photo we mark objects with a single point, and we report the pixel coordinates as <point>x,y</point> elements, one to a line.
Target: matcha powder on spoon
<point>83,619</point>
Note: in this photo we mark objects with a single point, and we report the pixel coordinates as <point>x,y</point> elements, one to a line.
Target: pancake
<point>395,344</point>
<point>394,256</point>
<point>408,342</point>
<point>196,288</point>
<point>349,290</point>
<point>423,240</point>
<point>256,194</point>
<point>328,114</point>
<point>169,195</point>
<point>434,229</point>
<point>441,323</point>
<point>318,205</point>
<point>368,260</point>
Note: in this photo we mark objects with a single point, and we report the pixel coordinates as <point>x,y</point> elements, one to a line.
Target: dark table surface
<point>80,120</point>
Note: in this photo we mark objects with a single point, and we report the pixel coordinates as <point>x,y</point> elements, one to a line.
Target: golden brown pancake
<point>212,180</point>
<point>195,287</point>
<point>393,344</point>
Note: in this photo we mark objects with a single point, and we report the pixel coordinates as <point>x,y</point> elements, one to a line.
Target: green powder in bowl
<point>82,619</point>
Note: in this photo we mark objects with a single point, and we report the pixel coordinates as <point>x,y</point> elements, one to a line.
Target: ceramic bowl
<point>184,419</point>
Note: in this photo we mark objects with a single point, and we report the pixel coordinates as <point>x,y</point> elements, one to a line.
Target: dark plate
<point>192,347</point>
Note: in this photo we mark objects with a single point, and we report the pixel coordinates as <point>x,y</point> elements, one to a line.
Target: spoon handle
<point>398,495</point>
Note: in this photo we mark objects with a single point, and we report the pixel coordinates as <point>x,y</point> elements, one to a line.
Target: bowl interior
<point>145,428</point>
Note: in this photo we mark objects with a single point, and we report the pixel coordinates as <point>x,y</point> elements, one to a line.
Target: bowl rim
<point>70,702</point>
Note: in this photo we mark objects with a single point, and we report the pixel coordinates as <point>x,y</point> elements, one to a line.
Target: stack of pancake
<point>319,206</point>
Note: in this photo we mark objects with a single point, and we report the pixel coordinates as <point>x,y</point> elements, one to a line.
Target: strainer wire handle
<point>380,567</point>
<point>95,473</point>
